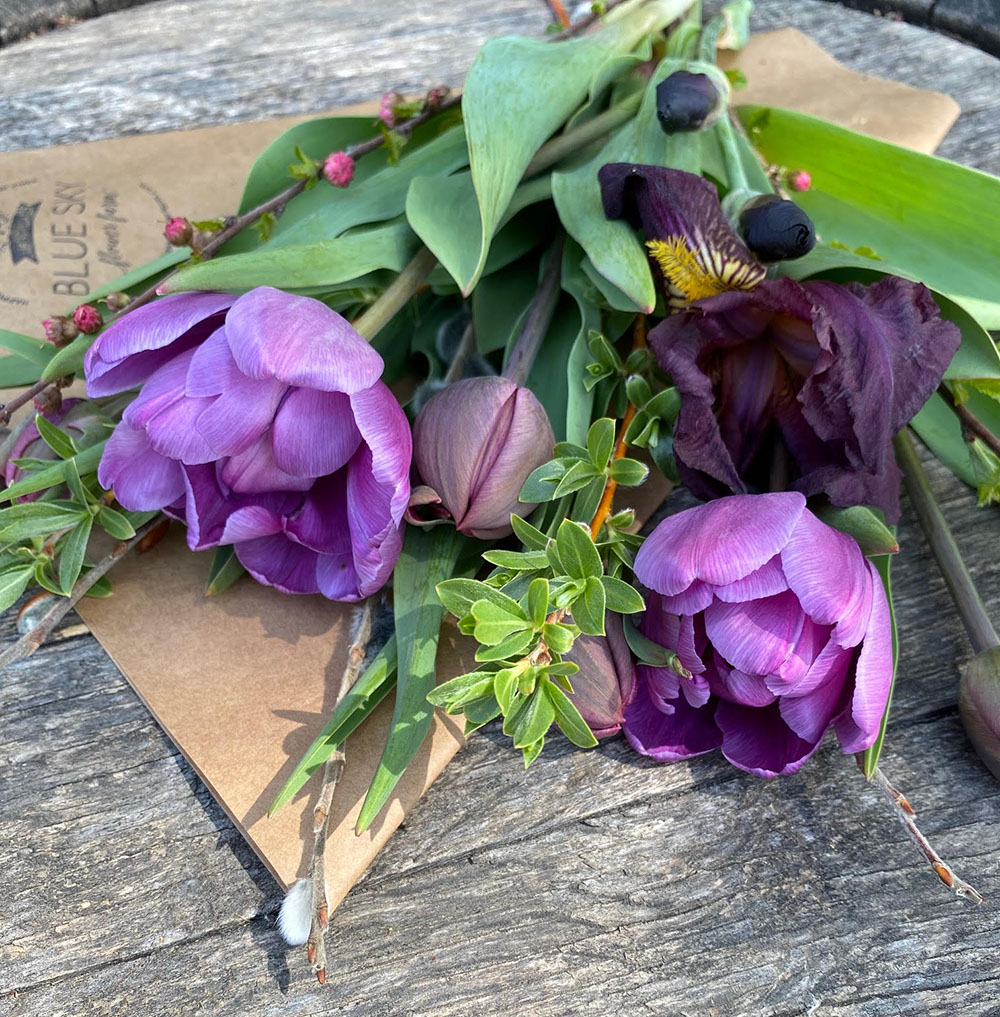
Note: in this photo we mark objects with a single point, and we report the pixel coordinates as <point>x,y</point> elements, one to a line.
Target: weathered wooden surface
<point>597,883</point>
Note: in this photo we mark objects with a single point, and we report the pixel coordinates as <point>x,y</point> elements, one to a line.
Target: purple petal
<point>314,432</point>
<point>299,341</point>
<point>827,572</point>
<point>690,601</point>
<point>214,518</point>
<point>130,349</point>
<point>687,731</point>
<point>810,715</point>
<point>254,471</point>
<point>279,562</point>
<point>337,577</point>
<point>718,542</point>
<point>758,636</point>
<point>243,407</point>
<point>142,479</point>
<point>376,530</point>
<point>321,522</point>
<point>168,416</point>
<point>763,582</point>
<point>859,726</point>
<point>674,632</point>
<point>794,674</point>
<point>759,741</point>
<point>690,239</point>
<point>738,686</point>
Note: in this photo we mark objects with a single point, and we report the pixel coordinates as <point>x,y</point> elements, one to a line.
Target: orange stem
<point>604,508</point>
<point>559,12</point>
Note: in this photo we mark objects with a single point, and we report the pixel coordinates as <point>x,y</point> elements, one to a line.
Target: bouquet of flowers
<point>428,364</point>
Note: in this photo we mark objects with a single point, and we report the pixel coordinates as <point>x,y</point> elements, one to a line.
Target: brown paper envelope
<point>243,682</point>
<point>786,68</point>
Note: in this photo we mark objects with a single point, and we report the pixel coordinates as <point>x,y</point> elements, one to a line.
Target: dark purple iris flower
<point>782,624</point>
<point>783,384</point>
<point>262,422</point>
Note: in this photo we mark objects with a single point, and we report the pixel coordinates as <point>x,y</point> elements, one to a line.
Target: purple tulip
<point>782,384</point>
<point>605,684</point>
<point>783,625</point>
<point>475,444</point>
<point>261,423</point>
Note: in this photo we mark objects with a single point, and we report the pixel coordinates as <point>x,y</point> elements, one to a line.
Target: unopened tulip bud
<point>178,232</point>
<point>116,301</point>
<point>979,706</point>
<point>687,102</point>
<point>60,330</point>
<point>87,318</point>
<point>475,443</point>
<point>775,229</point>
<point>338,169</point>
<point>605,683</point>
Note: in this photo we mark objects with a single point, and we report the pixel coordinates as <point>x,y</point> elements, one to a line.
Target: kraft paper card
<point>243,682</point>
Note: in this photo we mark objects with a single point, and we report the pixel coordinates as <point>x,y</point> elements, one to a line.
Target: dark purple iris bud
<point>687,102</point>
<point>802,386</point>
<point>775,229</point>
<point>605,684</point>
<point>689,239</point>
<point>782,626</point>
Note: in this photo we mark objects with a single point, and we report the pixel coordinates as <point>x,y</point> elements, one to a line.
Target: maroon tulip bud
<point>475,443</point>
<point>116,301</point>
<point>178,232</point>
<point>979,706</point>
<point>87,318</point>
<point>60,330</point>
<point>605,683</point>
<point>338,169</point>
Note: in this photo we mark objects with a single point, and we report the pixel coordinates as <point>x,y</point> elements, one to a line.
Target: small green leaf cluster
<point>589,469</point>
<point>607,364</point>
<point>305,168</point>
<point>45,541</point>
<point>524,634</point>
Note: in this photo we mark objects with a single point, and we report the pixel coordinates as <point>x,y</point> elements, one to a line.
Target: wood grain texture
<point>596,883</point>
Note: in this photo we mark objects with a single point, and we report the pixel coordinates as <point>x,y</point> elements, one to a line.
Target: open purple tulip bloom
<point>261,423</point>
<point>783,625</point>
<point>782,384</point>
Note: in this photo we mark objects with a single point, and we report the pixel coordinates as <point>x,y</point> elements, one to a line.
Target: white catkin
<point>295,915</point>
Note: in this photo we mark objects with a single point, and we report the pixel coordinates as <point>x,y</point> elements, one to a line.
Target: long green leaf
<point>54,475</point>
<point>358,703</point>
<point>428,558</point>
<point>13,582</point>
<point>73,552</point>
<point>325,263</point>
<point>927,217</point>
<point>33,350</point>
<point>225,570</point>
<point>940,430</point>
<point>507,122</point>
<point>871,755</point>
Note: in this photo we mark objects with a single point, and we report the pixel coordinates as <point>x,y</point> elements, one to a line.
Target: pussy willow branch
<point>608,497</point>
<point>30,641</point>
<point>969,420</point>
<point>908,817</point>
<point>332,771</point>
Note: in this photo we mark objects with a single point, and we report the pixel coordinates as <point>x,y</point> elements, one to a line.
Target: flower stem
<point>734,164</point>
<point>400,290</point>
<point>963,591</point>
<point>969,420</point>
<point>539,318</point>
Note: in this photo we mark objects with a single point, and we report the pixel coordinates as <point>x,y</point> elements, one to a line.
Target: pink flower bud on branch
<point>87,318</point>
<point>338,169</point>
<point>178,232</point>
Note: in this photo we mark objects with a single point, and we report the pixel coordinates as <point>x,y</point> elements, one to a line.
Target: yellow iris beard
<point>682,269</point>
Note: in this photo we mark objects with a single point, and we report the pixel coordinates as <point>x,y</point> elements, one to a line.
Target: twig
<point>8,409</point>
<point>906,815</point>
<point>332,771</point>
<point>31,640</point>
<point>969,420</point>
